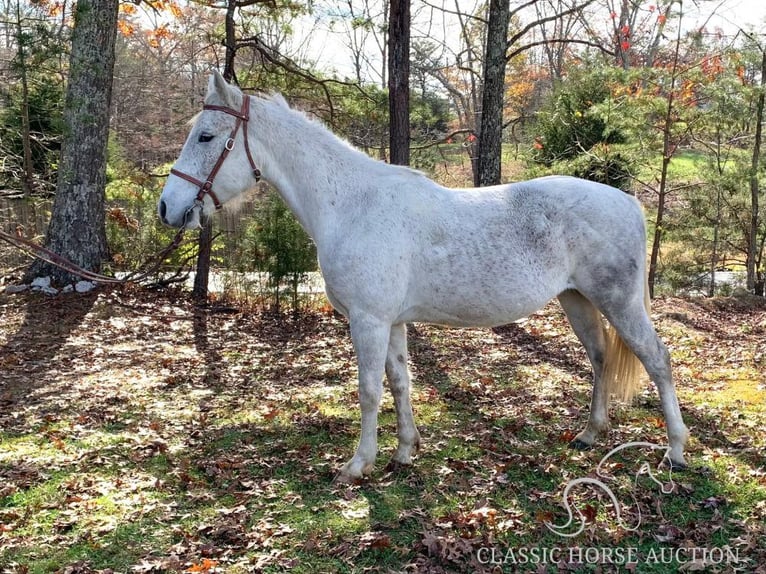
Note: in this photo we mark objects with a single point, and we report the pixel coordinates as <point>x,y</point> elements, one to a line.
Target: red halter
<point>206,187</point>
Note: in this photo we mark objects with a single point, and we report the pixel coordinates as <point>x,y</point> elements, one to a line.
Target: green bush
<point>45,104</point>
<point>570,122</point>
<point>280,247</point>
<point>611,169</point>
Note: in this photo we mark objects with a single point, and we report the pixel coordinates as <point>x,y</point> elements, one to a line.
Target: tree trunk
<point>716,240</point>
<point>667,153</point>
<point>205,240</point>
<point>752,242</point>
<point>230,41</point>
<point>77,227</point>
<point>658,223</point>
<point>493,92</point>
<point>399,81</point>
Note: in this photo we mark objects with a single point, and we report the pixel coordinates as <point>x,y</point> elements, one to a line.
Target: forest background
<point>662,99</point>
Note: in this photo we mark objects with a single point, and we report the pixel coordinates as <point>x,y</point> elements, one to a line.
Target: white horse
<point>395,247</point>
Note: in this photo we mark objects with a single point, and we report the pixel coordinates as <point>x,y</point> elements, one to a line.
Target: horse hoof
<point>674,465</point>
<point>343,478</point>
<point>578,444</point>
<point>395,466</point>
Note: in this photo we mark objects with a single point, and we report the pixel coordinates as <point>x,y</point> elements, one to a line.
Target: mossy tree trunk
<point>77,227</point>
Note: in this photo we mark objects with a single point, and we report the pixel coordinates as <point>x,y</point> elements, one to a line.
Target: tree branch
<point>276,58</point>
<point>524,47</point>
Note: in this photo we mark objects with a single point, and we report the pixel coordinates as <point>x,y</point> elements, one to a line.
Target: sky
<point>734,14</point>
<point>329,49</point>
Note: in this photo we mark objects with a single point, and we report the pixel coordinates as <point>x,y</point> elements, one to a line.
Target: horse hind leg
<point>632,323</point>
<point>398,377</point>
<point>587,324</point>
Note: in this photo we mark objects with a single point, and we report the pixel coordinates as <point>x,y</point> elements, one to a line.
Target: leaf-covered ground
<point>139,434</point>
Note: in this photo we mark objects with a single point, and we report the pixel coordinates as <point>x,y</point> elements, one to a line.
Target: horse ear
<point>220,93</point>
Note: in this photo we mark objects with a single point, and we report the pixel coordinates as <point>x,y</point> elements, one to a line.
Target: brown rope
<point>45,254</point>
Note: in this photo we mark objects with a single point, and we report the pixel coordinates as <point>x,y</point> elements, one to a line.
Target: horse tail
<point>623,372</point>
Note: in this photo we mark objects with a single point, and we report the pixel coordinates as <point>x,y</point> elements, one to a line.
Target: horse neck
<point>305,163</point>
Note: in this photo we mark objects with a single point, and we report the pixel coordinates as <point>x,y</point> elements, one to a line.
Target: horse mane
<point>331,141</point>
<point>278,99</point>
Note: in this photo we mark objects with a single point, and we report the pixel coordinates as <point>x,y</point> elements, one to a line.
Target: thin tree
<point>205,240</point>
<point>491,130</point>
<point>27,178</point>
<point>399,81</point>
<point>77,227</point>
<point>232,44</point>
<point>670,145</point>
<point>753,249</point>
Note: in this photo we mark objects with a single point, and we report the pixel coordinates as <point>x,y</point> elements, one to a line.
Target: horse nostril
<point>163,211</point>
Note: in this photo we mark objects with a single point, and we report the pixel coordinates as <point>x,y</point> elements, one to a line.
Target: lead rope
<point>45,254</point>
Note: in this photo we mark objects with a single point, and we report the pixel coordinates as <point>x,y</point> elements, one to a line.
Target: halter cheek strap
<point>206,187</point>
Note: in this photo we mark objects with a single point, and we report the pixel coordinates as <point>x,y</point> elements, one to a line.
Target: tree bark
<point>77,227</point>
<point>399,81</point>
<point>752,243</point>
<point>493,93</point>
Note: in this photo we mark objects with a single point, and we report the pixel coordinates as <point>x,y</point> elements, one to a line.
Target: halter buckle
<point>229,144</point>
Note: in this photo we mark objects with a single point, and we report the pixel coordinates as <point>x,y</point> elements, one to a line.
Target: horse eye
<point>204,138</point>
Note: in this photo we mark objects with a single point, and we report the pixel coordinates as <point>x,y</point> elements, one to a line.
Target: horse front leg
<point>370,338</point>
<point>399,381</point>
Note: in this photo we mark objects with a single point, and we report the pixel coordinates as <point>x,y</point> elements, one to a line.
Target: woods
<point>488,85</point>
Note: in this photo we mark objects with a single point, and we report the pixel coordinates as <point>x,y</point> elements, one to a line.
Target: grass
<point>687,165</point>
<point>214,450</point>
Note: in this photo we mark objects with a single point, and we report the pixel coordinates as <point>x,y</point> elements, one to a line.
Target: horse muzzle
<point>191,218</point>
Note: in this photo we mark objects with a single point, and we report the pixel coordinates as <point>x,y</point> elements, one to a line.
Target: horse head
<point>209,171</point>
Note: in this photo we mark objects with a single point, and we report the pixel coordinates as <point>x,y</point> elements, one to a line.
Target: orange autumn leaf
<point>55,9</point>
<point>205,566</point>
<point>125,28</point>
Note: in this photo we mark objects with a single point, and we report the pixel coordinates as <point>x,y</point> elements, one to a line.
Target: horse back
<point>482,256</point>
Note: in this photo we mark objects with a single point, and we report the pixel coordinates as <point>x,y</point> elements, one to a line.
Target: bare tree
<point>365,26</point>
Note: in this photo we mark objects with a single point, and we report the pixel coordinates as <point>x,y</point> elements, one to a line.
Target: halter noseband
<point>206,187</point>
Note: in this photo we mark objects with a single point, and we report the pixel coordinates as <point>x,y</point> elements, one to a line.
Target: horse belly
<point>479,304</point>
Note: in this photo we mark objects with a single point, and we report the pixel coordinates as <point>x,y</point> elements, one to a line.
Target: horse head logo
<point>645,468</point>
